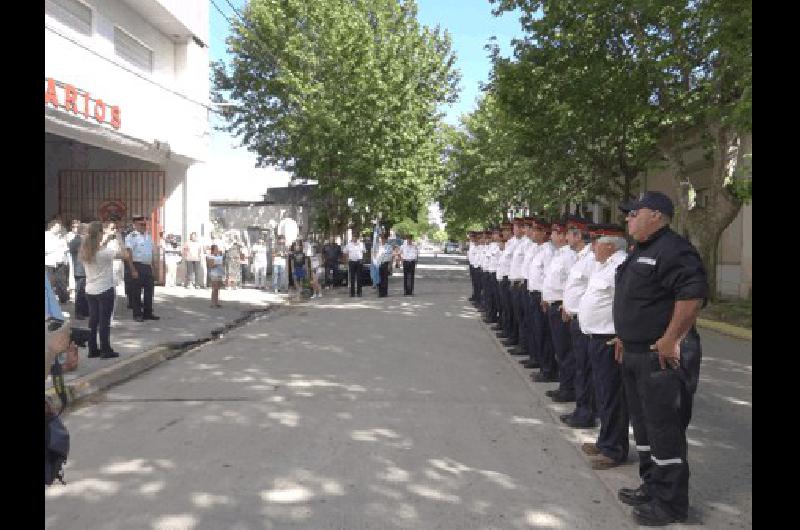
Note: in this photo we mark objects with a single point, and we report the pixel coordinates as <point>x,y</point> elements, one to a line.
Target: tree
<point>682,75</point>
<point>345,92</point>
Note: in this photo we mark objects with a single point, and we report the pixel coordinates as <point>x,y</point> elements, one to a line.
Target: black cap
<point>654,200</point>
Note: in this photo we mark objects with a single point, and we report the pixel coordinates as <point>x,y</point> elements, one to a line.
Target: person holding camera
<point>98,263</point>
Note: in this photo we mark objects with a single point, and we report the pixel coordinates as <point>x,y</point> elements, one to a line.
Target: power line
<point>234,9</point>
<point>221,12</point>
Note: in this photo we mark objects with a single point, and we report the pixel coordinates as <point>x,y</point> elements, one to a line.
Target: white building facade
<point>127,111</point>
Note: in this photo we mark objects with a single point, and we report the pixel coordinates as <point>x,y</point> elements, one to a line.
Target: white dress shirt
<point>493,259</point>
<point>409,252</point>
<point>55,249</point>
<point>354,251</point>
<point>504,264</point>
<point>556,272</point>
<point>578,279</point>
<point>535,273</point>
<point>595,312</point>
<point>515,270</point>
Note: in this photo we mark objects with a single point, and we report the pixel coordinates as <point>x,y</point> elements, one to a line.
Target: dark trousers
<point>355,273</point>
<point>474,296</point>
<point>610,398</point>
<point>331,266</point>
<point>192,274</point>
<point>81,302</point>
<point>584,388</point>
<point>506,314</point>
<point>383,287</point>
<point>562,349</point>
<point>100,308</point>
<point>491,297</point>
<point>529,306</point>
<point>660,405</point>
<point>540,337</point>
<point>409,268</point>
<point>516,312</point>
<point>144,284</point>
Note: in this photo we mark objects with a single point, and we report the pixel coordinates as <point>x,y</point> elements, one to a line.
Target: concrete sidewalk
<point>186,317</point>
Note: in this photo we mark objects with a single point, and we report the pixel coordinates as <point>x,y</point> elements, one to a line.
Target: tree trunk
<point>704,224</point>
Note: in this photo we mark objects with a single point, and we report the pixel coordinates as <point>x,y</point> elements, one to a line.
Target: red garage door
<point>93,194</point>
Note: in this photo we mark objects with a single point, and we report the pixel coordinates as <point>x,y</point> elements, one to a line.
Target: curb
<point>726,329</point>
<point>129,368</point>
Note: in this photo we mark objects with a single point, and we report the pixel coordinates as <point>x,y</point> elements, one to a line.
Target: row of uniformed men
<point>549,288</point>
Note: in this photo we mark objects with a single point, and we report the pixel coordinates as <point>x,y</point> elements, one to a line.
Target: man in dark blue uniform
<point>660,289</point>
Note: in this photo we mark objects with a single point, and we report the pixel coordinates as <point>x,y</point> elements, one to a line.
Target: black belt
<point>601,336</point>
<point>637,347</point>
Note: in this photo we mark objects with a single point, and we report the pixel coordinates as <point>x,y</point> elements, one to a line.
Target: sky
<point>470,24</point>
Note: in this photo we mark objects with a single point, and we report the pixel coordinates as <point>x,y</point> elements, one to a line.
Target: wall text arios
<point>67,97</point>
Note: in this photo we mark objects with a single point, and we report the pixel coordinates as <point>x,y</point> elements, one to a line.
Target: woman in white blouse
<point>98,254</point>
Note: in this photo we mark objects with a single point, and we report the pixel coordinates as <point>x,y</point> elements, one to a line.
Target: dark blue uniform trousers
<point>506,314</point>
<point>660,404</point>
<point>529,307</point>
<point>609,394</point>
<point>544,344</point>
<point>518,295</point>
<point>584,388</point>
<point>559,335</point>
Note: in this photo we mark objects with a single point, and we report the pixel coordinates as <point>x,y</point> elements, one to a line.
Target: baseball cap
<point>654,200</point>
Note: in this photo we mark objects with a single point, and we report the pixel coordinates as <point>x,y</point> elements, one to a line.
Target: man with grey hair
<point>596,320</point>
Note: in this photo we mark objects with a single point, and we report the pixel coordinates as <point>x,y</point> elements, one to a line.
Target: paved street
<point>374,413</point>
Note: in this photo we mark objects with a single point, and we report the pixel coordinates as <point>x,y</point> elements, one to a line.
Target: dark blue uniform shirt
<point>659,271</point>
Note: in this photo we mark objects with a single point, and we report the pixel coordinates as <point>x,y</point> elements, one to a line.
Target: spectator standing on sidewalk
<point>172,256</point>
<point>98,262</point>
<point>355,256</point>
<point>409,253</point>
<point>279,263</point>
<point>216,273</point>
<point>317,271</point>
<point>333,254</point>
<point>384,266</point>
<point>78,271</point>
<point>140,256</point>
<point>192,254</point>
<point>233,263</point>
<point>68,237</point>
<point>55,256</point>
<point>298,259</point>
<point>259,255</point>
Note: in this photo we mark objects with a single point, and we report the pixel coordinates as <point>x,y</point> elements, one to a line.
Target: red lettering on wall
<point>50,93</point>
<point>100,111</point>
<point>86,98</point>
<point>115,117</point>
<point>70,96</point>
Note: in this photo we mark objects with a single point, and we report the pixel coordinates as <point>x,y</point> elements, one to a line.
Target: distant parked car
<point>451,247</point>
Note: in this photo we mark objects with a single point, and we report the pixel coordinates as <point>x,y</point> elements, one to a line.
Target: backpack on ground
<point>56,436</point>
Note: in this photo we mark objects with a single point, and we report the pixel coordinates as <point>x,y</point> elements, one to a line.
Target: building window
<point>72,13</point>
<point>132,50</point>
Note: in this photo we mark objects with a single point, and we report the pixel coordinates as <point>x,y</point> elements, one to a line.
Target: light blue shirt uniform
<point>141,246</point>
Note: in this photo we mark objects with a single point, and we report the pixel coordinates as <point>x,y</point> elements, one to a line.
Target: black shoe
<point>532,365</point>
<point>580,424</point>
<point>518,351</point>
<point>634,497</point>
<point>109,355</point>
<point>551,393</point>
<point>54,324</point>
<point>152,317</point>
<point>93,354</point>
<point>541,378</point>
<point>496,327</point>
<point>510,342</point>
<point>652,514</point>
<point>565,418</point>
<point>502,336</point>
<point>564,397</point>
<point>139,319</point>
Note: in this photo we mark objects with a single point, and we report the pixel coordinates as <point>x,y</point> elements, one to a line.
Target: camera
<point>80,336</point>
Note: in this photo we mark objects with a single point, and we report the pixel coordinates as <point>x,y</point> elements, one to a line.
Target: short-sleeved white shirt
<point>595,313</point>
<point>141,247</point>
<point>354,251</point>
<point>556,273</point>
<point>100,272</point>
<point>578,279</point>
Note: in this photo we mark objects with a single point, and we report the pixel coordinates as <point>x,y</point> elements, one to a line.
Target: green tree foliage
<point>600,90</point>
<point>345,92</point>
